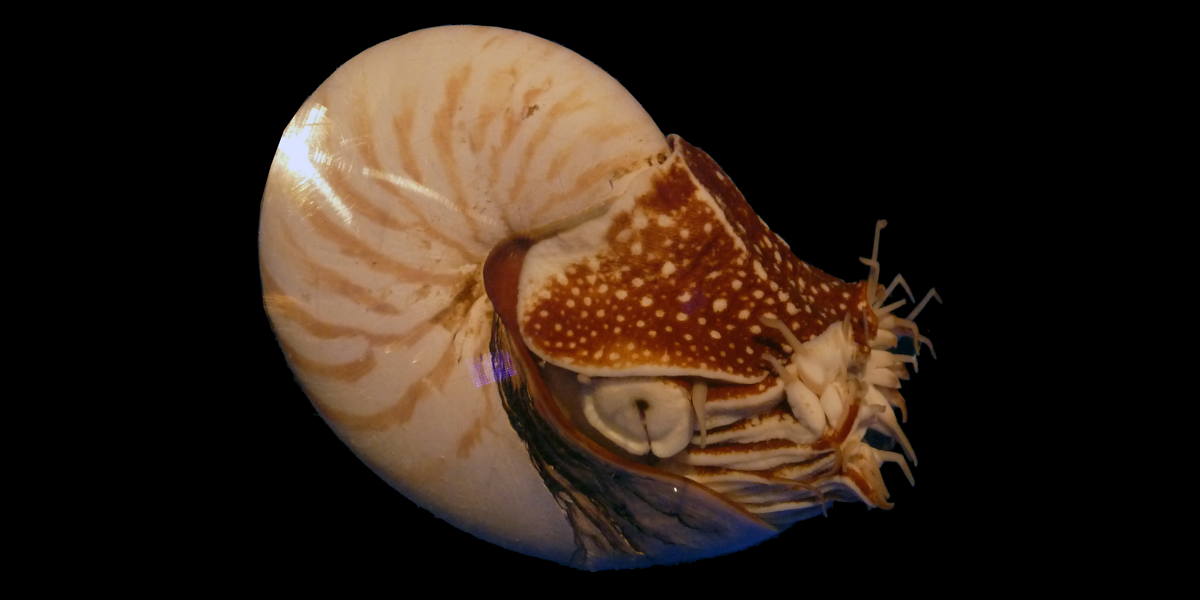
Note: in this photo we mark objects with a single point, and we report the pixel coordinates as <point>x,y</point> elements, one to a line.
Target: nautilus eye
<point>556,328</point>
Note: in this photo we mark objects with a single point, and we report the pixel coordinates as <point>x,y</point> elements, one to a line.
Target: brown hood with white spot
<point>673,281</point>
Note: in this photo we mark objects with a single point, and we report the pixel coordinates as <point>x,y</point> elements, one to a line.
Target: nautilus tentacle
<point>554,327</point>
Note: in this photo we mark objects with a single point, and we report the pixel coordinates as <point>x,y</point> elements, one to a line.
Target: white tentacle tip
<point>924,340</point>
<point>898,280</point>
<point>932,293</point>
<point>884,456</point>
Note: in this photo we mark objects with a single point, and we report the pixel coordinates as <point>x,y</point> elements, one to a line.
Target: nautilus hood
<point>674,279</point>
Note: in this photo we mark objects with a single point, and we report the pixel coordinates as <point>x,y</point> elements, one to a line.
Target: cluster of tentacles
<point>789,446</point>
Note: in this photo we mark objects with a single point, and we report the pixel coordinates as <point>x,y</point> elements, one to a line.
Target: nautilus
<point>558,329</point>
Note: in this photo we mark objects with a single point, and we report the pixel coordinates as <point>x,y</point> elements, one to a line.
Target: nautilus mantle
<point>556,328</point>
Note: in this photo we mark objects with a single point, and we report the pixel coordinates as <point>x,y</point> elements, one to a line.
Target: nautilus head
<point>561,331</point>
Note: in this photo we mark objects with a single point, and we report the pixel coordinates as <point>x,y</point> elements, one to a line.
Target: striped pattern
<point>386,196</point>
<point>390,187</point>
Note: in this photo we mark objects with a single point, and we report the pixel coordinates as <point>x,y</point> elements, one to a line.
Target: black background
<point>825,129</point>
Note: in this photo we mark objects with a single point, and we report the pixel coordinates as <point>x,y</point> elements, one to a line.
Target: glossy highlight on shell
<point>556,328</point>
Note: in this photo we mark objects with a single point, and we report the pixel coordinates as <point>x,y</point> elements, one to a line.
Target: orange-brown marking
<point>584,181</point>
<point>402,128</point>
<point>573,103</point>
<point>373,259</point>
<point>348,372</point>
<point>352,199</point>
<point>336,179</point>
<point>402,411</point>
<point>443,136</point>
<point>283,307</point>
<point>596,135</point>
<point>361,122</point>
<point>511,124</point>
<point>324,278</point>
<point>495,102</point>
<point>847,424</point>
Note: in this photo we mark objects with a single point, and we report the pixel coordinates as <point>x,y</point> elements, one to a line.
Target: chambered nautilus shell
<point>559,330</point>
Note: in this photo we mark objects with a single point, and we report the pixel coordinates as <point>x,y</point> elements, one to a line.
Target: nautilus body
<point>556,328</point>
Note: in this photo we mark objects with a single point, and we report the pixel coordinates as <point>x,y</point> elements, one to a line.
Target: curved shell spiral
<point>393,185</point>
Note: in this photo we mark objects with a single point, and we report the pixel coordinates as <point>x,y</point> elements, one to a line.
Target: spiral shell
<point>392,187</point>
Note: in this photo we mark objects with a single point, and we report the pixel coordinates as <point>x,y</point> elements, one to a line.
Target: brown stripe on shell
<point>609,170</point>
<point>405,405</point>
<point>353,247</point>
<point>443,134</point>
<point>344,372</point>
<point>281,306</point>
<point>500,84</point>
<point>338,178</point>
<point>574,102</point>
<point>333,172</point>
<point>402,131</point>
<point>362,124</point>
<point>590,135</point>
<point>327,279</point>
<point>512,120</point>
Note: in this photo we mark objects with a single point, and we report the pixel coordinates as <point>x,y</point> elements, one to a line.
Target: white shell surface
<point>384,199</point>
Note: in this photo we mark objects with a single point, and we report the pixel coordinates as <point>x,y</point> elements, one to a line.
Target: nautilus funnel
<point>558,329</point>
